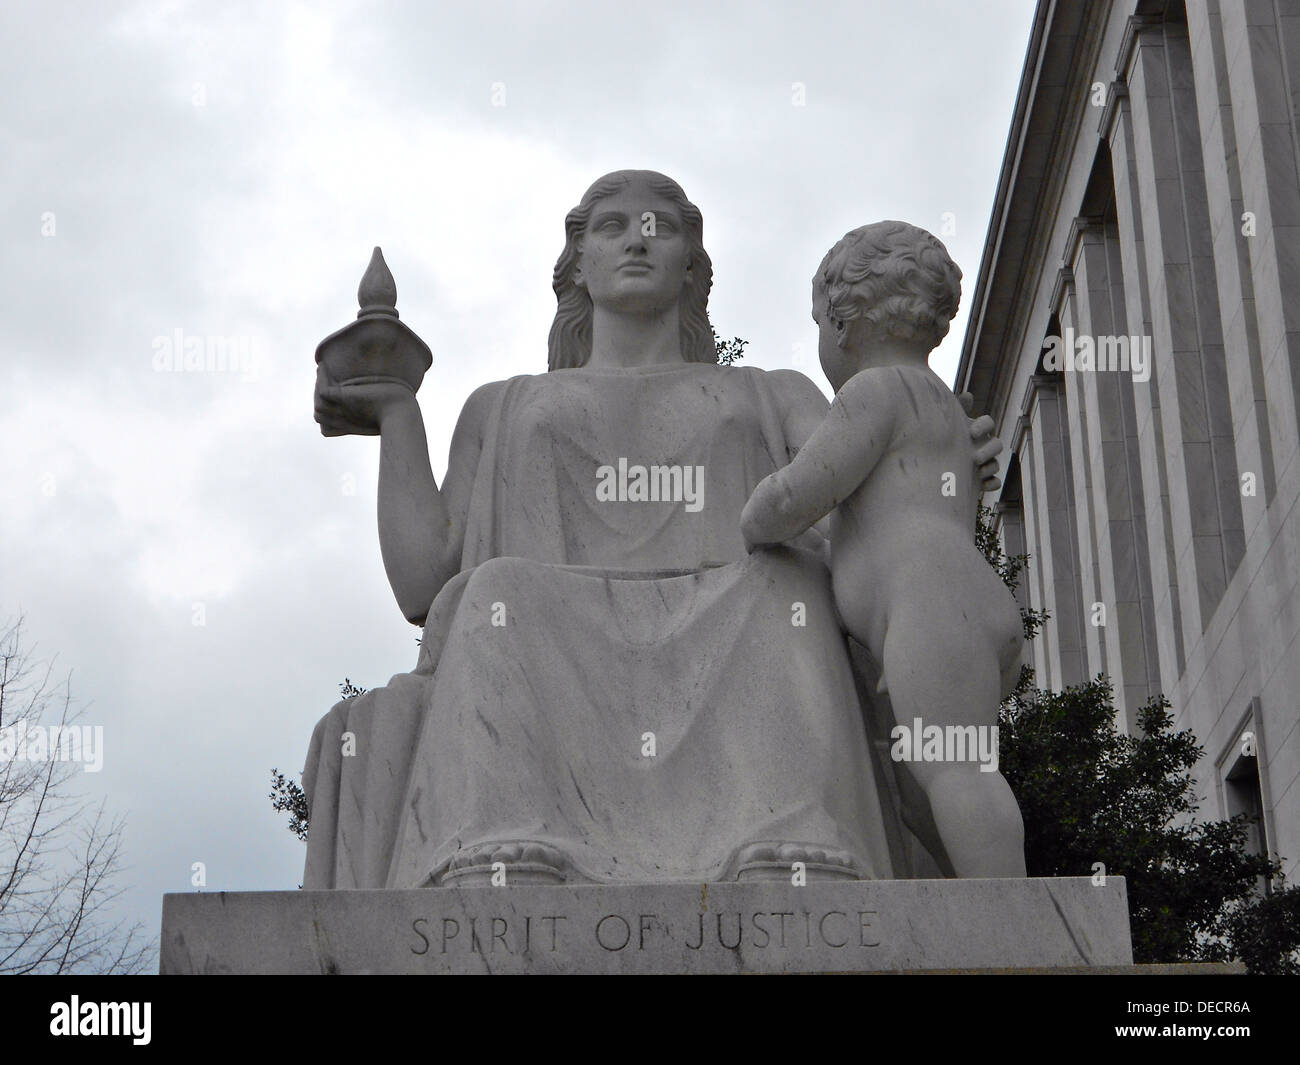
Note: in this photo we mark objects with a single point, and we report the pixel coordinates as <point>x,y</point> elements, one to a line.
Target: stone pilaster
<point>1078,393</point>
<point>1117,128</point>
<point>1262,59</point>
<point>1047,483</point>
<point>1232,232</point>
<point>1128,634</point>
<point>1205,507</point>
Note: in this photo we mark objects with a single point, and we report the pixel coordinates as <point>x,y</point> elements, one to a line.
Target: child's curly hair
<point>896,277</point>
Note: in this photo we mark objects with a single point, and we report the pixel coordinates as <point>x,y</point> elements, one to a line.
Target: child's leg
<point>946,672</point>
<point>1011,648</point>
<point>1010,672</point>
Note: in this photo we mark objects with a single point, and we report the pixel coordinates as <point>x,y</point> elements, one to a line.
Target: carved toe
<point>524,862</point>
<point>774,861</point>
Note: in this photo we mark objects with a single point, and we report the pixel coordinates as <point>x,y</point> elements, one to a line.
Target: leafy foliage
<point>288,796</point>
<point>1263,932</point>
<point>729,351</point>
<point>1009,568</point>
<point>1094,799</point>
<point>1098,801</point>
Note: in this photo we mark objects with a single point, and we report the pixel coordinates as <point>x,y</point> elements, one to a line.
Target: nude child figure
<point>891,465</point>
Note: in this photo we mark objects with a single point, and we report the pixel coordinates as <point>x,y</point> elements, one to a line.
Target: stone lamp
<point>377,347</point>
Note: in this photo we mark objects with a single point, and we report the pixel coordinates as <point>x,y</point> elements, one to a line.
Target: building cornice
<point>1060,287</point>
<point>1116,92</point>
<point>1081,227</point>
<point>1036,382</point>
<point>1050,111</point>
<point>1134,29</point>
<point>1006,176</point>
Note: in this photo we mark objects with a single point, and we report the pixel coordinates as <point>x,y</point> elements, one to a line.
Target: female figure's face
<point>634,254</point>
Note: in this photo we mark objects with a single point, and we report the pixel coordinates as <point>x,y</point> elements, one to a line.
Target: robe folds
<point>612,676</point>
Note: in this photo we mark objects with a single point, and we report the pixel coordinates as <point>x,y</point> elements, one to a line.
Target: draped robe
<point>615,678</point>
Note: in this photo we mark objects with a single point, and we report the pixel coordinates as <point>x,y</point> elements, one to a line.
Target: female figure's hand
<point>356,409</point>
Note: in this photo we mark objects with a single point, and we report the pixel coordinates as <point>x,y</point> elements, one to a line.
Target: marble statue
<point>610,686</point>
<point>890,462</point>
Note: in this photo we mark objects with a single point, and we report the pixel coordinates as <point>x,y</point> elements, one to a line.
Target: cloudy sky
<point>188,545</point>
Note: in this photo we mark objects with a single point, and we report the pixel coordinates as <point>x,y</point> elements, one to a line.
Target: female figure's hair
<point>570,339</point>
<point>896,277</point>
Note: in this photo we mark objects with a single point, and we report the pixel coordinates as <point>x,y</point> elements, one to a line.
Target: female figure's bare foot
<point>520,861</point>
<point>775,861</point>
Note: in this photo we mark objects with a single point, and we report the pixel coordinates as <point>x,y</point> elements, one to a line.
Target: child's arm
<point>830,466</point>
<point>804,408</point>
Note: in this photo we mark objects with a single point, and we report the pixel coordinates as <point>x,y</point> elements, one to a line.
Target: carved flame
<point>377,288</point>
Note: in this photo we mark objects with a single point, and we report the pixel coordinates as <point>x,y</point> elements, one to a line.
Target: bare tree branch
<point>58,857</point>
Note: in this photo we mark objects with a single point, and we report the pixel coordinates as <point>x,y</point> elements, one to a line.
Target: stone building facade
<point>1135,333</point>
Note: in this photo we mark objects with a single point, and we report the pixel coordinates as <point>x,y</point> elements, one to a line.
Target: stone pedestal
<point>764,927</point>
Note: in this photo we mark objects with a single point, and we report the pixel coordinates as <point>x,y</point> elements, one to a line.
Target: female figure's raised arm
<point>421,527</point>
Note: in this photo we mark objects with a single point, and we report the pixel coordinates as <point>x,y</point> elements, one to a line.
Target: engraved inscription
<point>615,932</point>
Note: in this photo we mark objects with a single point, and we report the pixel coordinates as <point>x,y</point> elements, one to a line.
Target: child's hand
<point>751,527</point>
<point>987,446</point>
<point>760,519</point>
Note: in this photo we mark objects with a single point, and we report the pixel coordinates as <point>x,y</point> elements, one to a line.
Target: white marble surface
<point>769,927</point>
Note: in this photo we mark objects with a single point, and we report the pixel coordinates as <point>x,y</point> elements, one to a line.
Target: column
<point>1204,496</point>
<point>1076,389</point>
<point>1118,510</point>
<point>1262,83</point>
<point>1117,128</point>
<point>1232,231</point>
<point>1047,481</point>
